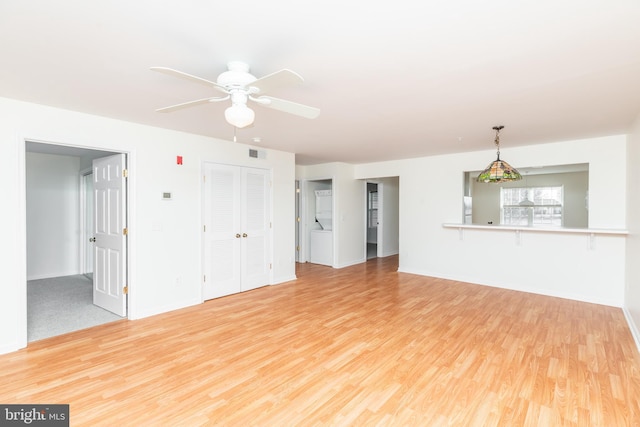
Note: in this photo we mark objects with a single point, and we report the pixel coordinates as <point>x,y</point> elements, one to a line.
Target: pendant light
<point>499,170</point>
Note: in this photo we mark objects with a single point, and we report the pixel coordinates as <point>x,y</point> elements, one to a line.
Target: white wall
<point>632,290</point>
<point>53,215</point>
<point>547,263</point>
<point>164,237</point>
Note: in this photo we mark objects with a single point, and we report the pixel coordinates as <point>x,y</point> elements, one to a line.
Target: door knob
<point>92,239</point>
<point>237,235</point>
<point>244,234</point>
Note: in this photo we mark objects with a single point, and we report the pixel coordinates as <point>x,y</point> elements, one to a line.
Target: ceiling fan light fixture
<point>237,75</point>
<point>240,85</point>
<point>499,170</point>
<point>239,115</point>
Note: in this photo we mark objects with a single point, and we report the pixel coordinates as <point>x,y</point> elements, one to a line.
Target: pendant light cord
<point>497,140</point>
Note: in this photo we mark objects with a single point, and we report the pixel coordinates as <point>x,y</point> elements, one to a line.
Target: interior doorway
<point>373,220</point>
<point>316,235</point>
<point>382,217</point>
<point>59,224</point>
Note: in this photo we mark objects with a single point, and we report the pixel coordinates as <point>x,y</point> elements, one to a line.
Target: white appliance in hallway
<point>321,241</point>
<point>324,206</point>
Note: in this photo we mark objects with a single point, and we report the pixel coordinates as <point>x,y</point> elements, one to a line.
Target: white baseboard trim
<point>5,349</point>
<point>14,345</point>
<point>386,254</point>
<point>152,311</point>
<point>284,279</point>
<point>632,327</point>
<point>350,263</point>
<point>52,275</point>
<point>565,295</point>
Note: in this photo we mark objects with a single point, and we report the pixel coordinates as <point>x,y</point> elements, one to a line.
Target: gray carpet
<point>59,305</point>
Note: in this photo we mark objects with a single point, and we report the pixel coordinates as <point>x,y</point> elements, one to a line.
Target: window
<point>373,209</point>
<point>531,206</point>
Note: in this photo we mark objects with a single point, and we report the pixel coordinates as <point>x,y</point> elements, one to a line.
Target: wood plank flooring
<point>363,345</point>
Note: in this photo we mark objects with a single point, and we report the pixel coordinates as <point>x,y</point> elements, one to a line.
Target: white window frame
<point>534,219</point>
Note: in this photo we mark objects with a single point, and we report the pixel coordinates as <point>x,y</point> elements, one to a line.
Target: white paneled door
<point>255,254</point>
<point>110,272</point>
<point>236,229</point>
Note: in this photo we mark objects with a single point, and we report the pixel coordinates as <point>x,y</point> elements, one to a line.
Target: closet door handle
<point>92,240</point>
<point>244,234</point>
<point>237,235</point>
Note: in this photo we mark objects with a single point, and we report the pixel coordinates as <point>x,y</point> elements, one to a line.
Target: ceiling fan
<point>241,86</point>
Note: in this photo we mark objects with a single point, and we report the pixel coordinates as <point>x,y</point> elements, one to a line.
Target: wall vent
<point>257,154</point>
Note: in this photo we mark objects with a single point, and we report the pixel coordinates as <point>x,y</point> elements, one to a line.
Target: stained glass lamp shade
<point>499,170</point>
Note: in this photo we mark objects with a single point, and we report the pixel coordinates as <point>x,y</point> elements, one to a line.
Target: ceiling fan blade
<point>171,108</point>
<point>288,107</point>
<point>273,81</point>
<point>180,74</point>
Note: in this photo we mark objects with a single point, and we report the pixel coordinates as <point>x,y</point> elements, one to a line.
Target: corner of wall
<point>631,304</point>
<point>635,333</point>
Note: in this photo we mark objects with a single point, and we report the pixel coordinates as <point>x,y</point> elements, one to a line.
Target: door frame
<point>21,288</point>
<point>85,233</point>
<point>380,225</point>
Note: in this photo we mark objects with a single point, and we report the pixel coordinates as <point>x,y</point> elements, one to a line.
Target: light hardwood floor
<point>362,345</point>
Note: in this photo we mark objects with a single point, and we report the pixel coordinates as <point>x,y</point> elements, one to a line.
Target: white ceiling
<point>393,79</point>
<point>86,155</point>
